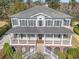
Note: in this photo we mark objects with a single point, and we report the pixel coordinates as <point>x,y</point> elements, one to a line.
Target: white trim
<point>12,22</point>
<point>57,45</point>
<point>41,14</point>
<point>24,44</point>
<point>57,20</point>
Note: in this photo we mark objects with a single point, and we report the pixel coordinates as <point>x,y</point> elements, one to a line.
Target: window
<point>49,35</point>
<point>65,36</point>
<point>40,23</point>
<point>31,35</point>
<point>40,35</point>
<point>22,35</point>
<point>15,35</point>
<point>23,23</point>
<point>15,22</point>
<point>49,22</point>
<point>57,36</point>
<point>66,22</point>
<point>57,23</point>
<point>31,22</point>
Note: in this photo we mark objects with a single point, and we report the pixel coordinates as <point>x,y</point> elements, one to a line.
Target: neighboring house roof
<point>41,9</point>
<point>39,30</point>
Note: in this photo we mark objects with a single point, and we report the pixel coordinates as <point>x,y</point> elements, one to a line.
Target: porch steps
<point>47,53</point>
<point>40,48</point>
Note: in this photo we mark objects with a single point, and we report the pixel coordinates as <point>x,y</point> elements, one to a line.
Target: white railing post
<point>18,41</point>
<point>44,40</point>
<point>50,53</point>
<point>10,38</point>
<point>62,23</point>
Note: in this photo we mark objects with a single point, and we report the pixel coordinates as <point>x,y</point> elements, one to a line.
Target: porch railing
<point>50,53</point>
<point>29,54</point>
<point>47,42</point>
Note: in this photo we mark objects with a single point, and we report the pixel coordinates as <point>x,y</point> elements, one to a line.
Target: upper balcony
<point>40,22</point>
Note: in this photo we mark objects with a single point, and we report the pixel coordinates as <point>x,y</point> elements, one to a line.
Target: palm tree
<point>8,51</point>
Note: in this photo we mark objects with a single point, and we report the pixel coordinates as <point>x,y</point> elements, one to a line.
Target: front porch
<point>46,42</point>
<point>47,39</point>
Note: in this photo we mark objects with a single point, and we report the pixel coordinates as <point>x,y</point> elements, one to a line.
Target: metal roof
<point>41,9</point>
<point>39,30</point>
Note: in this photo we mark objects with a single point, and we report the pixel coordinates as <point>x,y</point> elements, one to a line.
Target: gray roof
<point>41,9</point>
<point>39,30</point>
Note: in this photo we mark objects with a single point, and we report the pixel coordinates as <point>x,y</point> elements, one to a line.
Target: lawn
<point>75,41</point>
<point>3,23</point>
<point>4,26</point>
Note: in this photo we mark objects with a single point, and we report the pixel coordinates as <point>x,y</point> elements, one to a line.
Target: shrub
<point>8,51</point>
<point>37,56</point>
<point>76,29</point>
<point>17,55</point>
<point>72,22</point>
<point>61,55</point>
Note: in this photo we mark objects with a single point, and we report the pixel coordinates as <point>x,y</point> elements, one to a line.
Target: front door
<point>40,36</point>
<point>40,23</point>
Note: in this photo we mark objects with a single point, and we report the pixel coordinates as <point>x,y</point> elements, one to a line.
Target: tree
<point>17,7</point>
<point>37,2</point>
<point>72,3</point>
<point>3,5</point>
<point>54,4</point>
<point>73,52</point>
<point>8,52</point>
<point>29,2</point>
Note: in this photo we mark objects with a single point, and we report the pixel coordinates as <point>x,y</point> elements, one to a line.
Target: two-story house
<point>43,25</point>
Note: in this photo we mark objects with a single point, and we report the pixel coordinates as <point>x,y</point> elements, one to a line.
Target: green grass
<point>3,23</point>
<point>4,26</point>
<point>17,55</point>
<point>75,43</point>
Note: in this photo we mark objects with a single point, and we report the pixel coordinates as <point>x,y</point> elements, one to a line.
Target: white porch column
<point>18,22</point>
<point>10,38</point>
<point>69,22</point>
<point>26,39</point>
<point>62,23</point>
<point>36,23</point>
<point>44,39</point>
<point>53,22</point>
<point>53,39</point>
<point>27,23</point>
<point>18,38</point>
<point>62,40</point>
